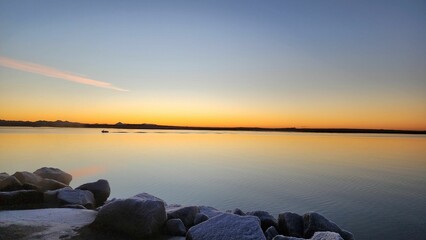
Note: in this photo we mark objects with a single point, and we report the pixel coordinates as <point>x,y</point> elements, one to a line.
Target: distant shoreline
<point>66,124</point>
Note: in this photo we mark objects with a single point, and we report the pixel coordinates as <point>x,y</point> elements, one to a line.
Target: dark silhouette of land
<point>120,125</point>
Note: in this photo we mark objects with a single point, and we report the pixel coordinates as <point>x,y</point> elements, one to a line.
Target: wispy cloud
<point>54,73</point>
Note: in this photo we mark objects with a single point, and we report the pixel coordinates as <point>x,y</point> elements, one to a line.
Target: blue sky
<point>279,58</point>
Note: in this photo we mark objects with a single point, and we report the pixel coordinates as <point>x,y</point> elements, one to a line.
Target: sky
<point>343,64</point>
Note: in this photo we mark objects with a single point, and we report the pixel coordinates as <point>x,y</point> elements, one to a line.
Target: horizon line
<point>182,127</point>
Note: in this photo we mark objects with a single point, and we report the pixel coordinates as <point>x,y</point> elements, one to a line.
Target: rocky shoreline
<point>86,213</point>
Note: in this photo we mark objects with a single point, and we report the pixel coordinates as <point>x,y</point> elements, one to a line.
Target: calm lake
<point>370,184</point>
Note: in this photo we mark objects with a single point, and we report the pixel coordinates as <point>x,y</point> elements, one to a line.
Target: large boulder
<point>76,197</point>
<point>28,178</point>
<point>175,227</point>
<point>226,227</point>
<point>100,190</point>
<point>186,214</point>
<point>139,217</point>
<point>10,183</point>
<point>55,174</point>
<point>315,222</point>
<point>290,224</point>
<point>266,219</point>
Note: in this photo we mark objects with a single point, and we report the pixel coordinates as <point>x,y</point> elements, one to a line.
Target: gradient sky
<point>355,64</point>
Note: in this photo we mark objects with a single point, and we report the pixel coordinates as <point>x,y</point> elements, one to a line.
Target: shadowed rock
<point>199,218</point>
<point>271,232</point>
<point>49,184</point>
<point>290,224</point>
<point>55,174</point>
<point>266,219</point>
<point>186,214</point>
<point>139,217</point>
<point>238,211</point>
<point>100,190</point>
<point>226,227</point>
<point>175,227</point>
<point>209,211</point>
<point>21,197</point>
<point>10,183</point>
<point>315,222</point>
<point>3,175</point>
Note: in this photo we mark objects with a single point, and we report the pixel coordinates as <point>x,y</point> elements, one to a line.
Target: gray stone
<point>186,214</point>
<point>78,197</point>
<point>139,217</point>
<point>271,232</point>
<point>51,197</point>
<point>226,227</point>
<point>209,211</point>
<point>315,222</point>
<point>175,227</point>
<point>238,212</point>
<point>49,184</point>
<point>326,236</point>
<point>199,218</point>
<point>290,224</point>
<point>28,178</point>
<point>10,183</point>
<point>3,175</point>
<point>100,190</point>
<point>55,174</point>
<point>266,219</point>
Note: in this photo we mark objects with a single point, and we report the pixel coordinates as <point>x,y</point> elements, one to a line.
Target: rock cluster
<point>49,188</point>
<point>143,215</point>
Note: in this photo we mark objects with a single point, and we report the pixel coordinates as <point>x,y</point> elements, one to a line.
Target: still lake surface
<point>370,184</point>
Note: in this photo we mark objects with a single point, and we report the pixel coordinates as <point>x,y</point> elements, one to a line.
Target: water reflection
<point>354,179</point>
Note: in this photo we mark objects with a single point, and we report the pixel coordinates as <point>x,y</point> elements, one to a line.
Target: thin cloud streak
<point>54,73</point>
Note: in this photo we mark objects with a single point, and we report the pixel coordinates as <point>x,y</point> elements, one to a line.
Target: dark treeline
<point>120,125</point>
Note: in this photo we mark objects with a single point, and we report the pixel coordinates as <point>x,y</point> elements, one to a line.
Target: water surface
<point>373,185</point>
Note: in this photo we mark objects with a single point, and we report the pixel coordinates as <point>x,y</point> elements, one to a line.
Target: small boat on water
<point>105,131</point>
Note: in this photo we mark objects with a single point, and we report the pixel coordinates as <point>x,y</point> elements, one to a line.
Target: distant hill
<point>59,123</point>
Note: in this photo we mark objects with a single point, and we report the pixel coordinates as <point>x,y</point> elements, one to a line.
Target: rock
<point>199,218</point>
<point>271,232</point>
<point>49,184</point>
<point>51,197</point>
<point>139,217</point>
<point>266,219</point>
<point>326,236</point>
<point>175,227</point>
<point>186,214</point>
<point>79,197</point>
<point>55,174</point>
<point>28,178</point>
<point>281,237</point>
<point>290,224</point>
<point>21,197</point>
<point>209,211</point>
<point>226,227</point>
<point>100,190</point>
<point>74,206</point>
<point>10,183</point>
<point>314,222</point>
<point>238,211</point>
<point>3,175</point>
